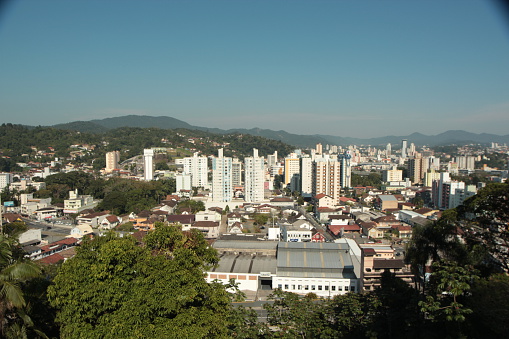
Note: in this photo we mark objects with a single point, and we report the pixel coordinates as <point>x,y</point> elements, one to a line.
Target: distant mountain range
<point>446,138</point>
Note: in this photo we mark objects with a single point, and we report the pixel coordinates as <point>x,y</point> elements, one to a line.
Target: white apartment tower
<point>5,180</point>
<point>197,167</point>
<point>112,159</point>
<point>346,169</point>
<point>306,176</point>
<point>183,182</point>
<point>236,173</point>
<point>272,159</point>
<point>148,164</point>
<point>404,146</point>
<point>222,190</point>
<point>254,171</point>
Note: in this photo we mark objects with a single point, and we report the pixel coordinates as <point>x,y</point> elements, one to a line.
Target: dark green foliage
<point>372,179</point>
<point>114,288</point>
<point>124,196</point>
<point>194,205</point>
<point>490,302</point>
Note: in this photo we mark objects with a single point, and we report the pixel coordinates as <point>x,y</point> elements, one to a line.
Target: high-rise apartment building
<point>183,182</point>
<point>404,146</point>
<point>327,177</point>
<point>319,149</point>
<point>417,167</point>
<point>445,191</point>
<point>254,172</point>
<point>306,176</point>
<point>5,180</point>
<point>330,175</point>
<point>466,162</point>
<point>236,172</point>
<point>222,190</point>
<point>272,159</point>
<point>292,167</point>
<point>112,160</point>
<point>148,164</point>
<point>392,175</point>
<point>198,169</point>
<point>346,169</point>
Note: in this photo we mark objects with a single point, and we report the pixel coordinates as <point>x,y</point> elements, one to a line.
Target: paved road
<point>316,224</point>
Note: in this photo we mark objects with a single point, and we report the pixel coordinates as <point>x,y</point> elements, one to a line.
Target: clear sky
<point>347,68</point>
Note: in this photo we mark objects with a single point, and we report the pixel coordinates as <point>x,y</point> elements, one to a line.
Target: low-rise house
<point>323,213</point>
<point>340,219</point>
<point>386,201</point>
<point>12,217</point>
<point>403,231</point>
<point>323,200</point>
<point>93,219</point>
<point>318,236</point>
<point>80,231</point>
<point>339,230</point>
<point>376,259</point>
<point>110,222</point>
<point>370,229</point>
<point>210,229</point>
<point>144,224</point>
<point>291,233</point>
<point>233,218</point>
<point>235,228</point>
<point>185,220</point>
<point>57,246</point>
<point>208,216</point>
<point>303,224</point>
<point>46,213</point>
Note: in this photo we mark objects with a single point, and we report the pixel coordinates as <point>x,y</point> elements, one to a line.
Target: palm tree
<point>13,272</point>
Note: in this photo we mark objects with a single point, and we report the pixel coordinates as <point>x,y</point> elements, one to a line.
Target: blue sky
<point>348,68</point>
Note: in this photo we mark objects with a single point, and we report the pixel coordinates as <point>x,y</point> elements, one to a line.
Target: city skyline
<point>339,68</point>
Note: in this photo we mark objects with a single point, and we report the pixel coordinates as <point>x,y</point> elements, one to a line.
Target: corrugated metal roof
<point>316,260</point>
<point>245,263</point>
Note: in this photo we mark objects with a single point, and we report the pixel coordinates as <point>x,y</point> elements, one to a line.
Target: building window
<point>333,288</point>
<point>293,287</point>
<point>306,287</point>
<point>299,287</point>
<point>313,287</point>
<point>279,286</point>
<point>346,288</point>
<point>286,287</point>
<point>368,269</point>
<point>319,287</point>
<point>340,288</point>
<point>352,288</point>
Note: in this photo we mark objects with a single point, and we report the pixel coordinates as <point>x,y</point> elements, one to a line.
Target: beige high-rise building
<point>112,159</point>
<point>392,175</point>
<point>319,149</point>
<point>327,178</point>
<point>292,167</point>
<point>417,167</point>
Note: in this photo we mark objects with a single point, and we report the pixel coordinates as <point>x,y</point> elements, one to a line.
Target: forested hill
<point>165,122</point>
<point>22,144</point>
